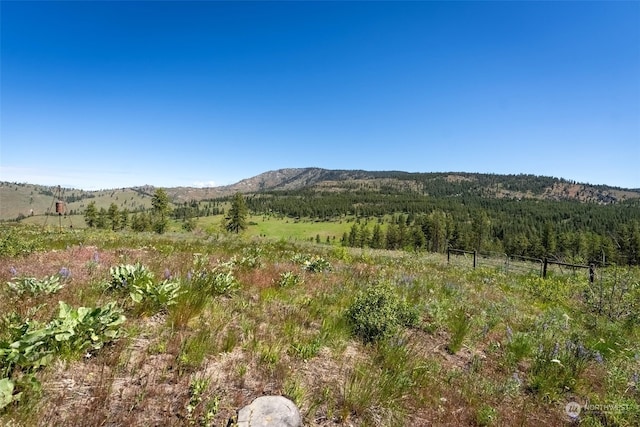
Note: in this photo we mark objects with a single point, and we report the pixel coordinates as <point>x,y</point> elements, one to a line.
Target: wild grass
<point>353,337</point>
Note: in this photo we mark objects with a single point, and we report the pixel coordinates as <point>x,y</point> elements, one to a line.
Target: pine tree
<point>91,215</point>
<point>114,216</point>
<point>237,218</point>
<point>160,203</point>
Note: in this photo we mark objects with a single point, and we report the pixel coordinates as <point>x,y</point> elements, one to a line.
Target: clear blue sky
<point>112,94</point>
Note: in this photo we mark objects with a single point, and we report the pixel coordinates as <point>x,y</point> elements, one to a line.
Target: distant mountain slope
<point>19,199</point>
<point>434,184</point>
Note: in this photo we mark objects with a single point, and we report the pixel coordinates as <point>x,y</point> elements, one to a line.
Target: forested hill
<point>521,215</point>
<point>432,184</point>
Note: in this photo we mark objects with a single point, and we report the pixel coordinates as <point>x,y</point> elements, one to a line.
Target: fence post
<point>448,254</point>
<point>544,268</point>
<point>592,273</point>
<point>475,255</point>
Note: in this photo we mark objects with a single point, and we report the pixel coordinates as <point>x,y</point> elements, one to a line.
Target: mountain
<point>434,184</point>
<point>20,199</point>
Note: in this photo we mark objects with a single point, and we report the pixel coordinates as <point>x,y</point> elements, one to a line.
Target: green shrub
<point>378,312</point>
<point>616,295</point>
<point>21,240</point>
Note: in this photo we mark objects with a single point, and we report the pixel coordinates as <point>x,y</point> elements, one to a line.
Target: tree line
<point>567,230</point>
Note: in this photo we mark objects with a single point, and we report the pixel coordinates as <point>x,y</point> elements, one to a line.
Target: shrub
<point>616,295</point>
<point>378,312</point>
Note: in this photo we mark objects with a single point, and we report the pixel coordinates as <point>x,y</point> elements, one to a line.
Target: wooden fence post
<point>475,256</point>
<point>544,268</point>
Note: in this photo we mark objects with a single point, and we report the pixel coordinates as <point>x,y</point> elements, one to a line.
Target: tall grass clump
<point>460,324</point>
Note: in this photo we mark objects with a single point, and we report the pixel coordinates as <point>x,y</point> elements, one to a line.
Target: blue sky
<point>112,94</point>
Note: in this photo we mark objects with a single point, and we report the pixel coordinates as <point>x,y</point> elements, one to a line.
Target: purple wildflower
<point>167,274</point>
<point>13,271</point>
<point>64,273</point>
<point>635,379</point>
<point>189,275</point>
<point>598,357</point>
<point>582,352</point>
<point>556,350</point>
<point>509,333</point>
<point>96,257</point>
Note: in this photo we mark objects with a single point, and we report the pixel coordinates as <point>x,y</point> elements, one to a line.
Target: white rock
<point>274,411</point>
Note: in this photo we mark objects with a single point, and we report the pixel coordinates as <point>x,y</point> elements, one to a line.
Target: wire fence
<point>517,263</point>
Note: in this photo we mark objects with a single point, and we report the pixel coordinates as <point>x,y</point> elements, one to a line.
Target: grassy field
<point>20,199</point>
<point>286,228</point>
<point>185,329</point>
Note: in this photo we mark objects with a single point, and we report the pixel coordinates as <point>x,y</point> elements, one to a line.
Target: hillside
<point>18,199</point>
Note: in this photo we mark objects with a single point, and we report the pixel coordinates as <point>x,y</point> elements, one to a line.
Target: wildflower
<point>64,273</point>
<point>509,333</point>
<point>167,274</point>
<point>13,271</point>
<point>581,351</point>
<point>598,357</point>
<point>96,257</point>
<point>556,350</point>
<point>189,274</point>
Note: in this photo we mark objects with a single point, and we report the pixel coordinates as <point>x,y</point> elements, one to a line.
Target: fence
<point>515,263</point>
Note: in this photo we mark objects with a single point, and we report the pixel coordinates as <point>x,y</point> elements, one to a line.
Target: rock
<point>274,411</point>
